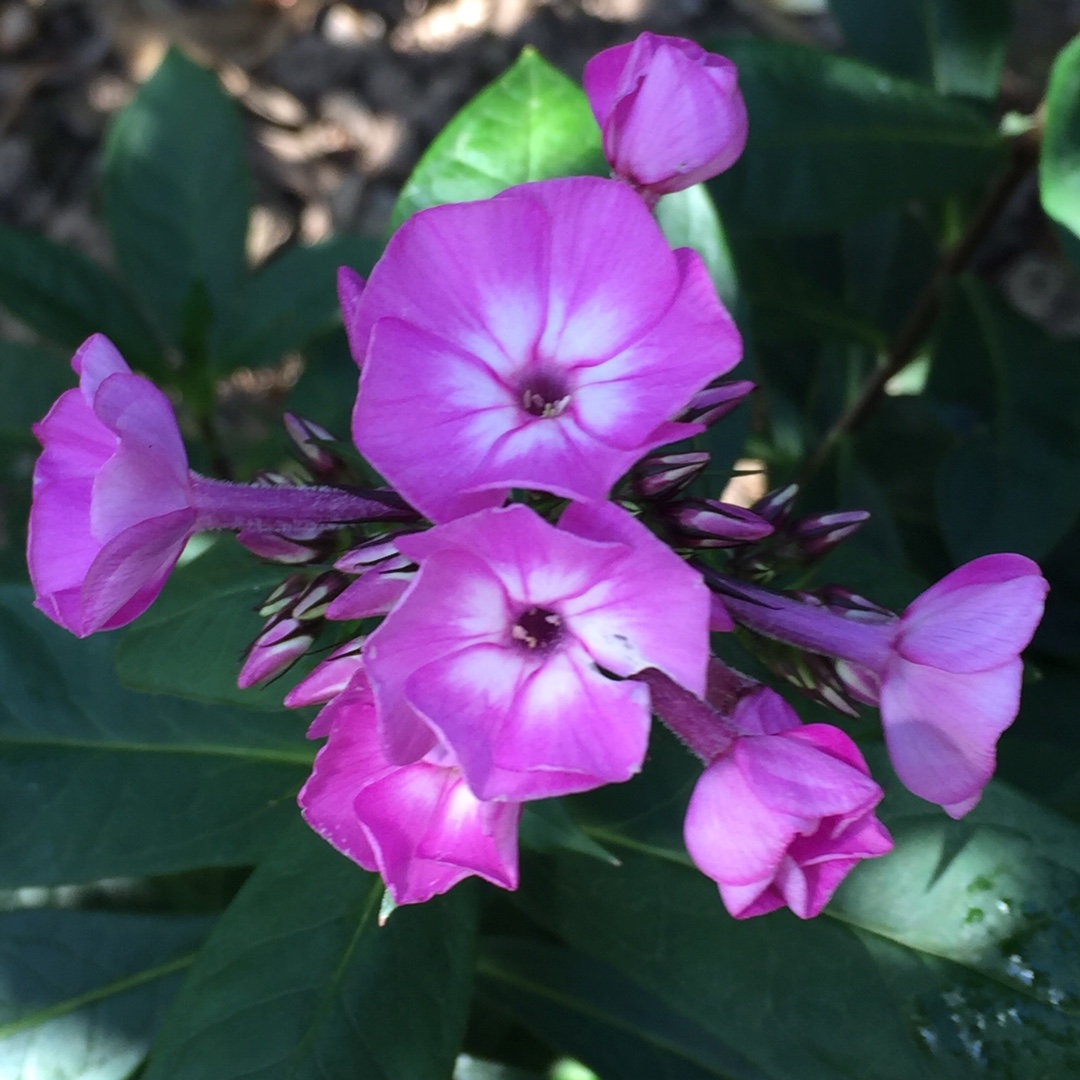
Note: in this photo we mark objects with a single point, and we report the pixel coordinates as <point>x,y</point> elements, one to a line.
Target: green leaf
<point>984,911</point>
<point>191,643</point>
<point>1059,156</point>
<point>96,781</point>
<point>290,301</point>
<point>797,1000</point>
<point>533,123</point>
<point>299,980</point>
<point>32,377</point>
<point>547,825</point>
<point>956,45</point>
<point>689,219</point>
<point>587,1009</point>
<point>84,992</point>
<point>65,297</point>
<point>951,957</point>
<point>1012,483</point>
<point>176,193</point>
<point>833,141</point>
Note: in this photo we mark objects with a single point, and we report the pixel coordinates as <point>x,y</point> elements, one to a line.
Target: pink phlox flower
<point>951,683</point>
<point>782,817</point>
<point>671,114</point>
<point>418,825</point>
<point>946,675</point>
<point>112,505</point>
<point>543,339</point>
<point>496,649</point>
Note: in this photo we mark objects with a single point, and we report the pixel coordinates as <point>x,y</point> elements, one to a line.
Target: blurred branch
<point>921,318</point>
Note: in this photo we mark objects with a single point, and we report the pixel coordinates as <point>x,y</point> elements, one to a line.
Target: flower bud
<point>775,506</point>
<point>715,402</point>
<point>311,440</point>
<point>818,534</point>
<point>282,642</point>
<point>378,553</point>
<point>666,475</point>
<point>708,523</point>
<point>296,548</point>
<point>671,114</point>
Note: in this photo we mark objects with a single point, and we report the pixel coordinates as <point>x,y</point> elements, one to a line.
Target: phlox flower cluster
<point>535,584</point>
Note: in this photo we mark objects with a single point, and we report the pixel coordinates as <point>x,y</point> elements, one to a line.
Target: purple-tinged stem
<point>701,727</point>
<point>224,505</point>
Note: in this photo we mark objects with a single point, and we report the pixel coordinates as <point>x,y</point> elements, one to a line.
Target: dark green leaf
<point>191,643</point>
<point>176,195</point>
<point>533,123</point>
<point>956,45</point>
<point>587,1009</point>
<point>96,781</point>
<point>299,980</point>
<point>83,992</point>
<point>833,141</point>
<point>1009,392</point>
<point>65,297</point>
<point>32,377</point>
<point>547,825</point>
<point>956,951</point>
<point>797,1000</point>
<point>290,301</point>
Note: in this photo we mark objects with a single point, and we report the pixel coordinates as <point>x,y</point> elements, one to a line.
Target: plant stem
<point>920,319</point>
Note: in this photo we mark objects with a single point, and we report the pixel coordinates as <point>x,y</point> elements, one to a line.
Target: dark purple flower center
<point>537,629</point>
<point>543,395</point>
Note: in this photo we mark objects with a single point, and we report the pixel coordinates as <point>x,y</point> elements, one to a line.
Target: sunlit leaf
<point>533,123</point>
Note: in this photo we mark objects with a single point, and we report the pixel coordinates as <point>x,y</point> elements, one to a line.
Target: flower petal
<point>941,728</point>
<point>731,835</point>
<point>618,620</point>
<point>454,602</point>
<point>979,616</point>
<point>526,730</point>
<point>657,374</point>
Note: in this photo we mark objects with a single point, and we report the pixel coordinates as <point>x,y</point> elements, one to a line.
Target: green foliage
<point>289,302</point>
<point>957,46</point>
<point>1010,393</point>
<point>99,782</point>
<point>833,141</point>
<point>299,980</point>
<point>176,196</point>
<point>84,992</point>
<point>193,640</point>
<point>1059,161</point>
<point>953,954</point>
<point>66,298</point>
<point>532,124</point>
